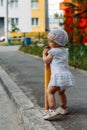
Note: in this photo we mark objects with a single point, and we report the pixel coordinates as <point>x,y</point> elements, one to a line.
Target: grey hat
<point>58,36</point>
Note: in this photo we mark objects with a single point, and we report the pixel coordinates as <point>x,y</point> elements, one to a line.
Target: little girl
<point>61,77</point>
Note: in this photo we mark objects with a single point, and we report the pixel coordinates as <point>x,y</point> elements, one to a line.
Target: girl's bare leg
<point>51,98</point>
<point>62,98</point>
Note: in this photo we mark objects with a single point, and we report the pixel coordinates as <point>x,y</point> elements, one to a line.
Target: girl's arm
<point>47,57</point>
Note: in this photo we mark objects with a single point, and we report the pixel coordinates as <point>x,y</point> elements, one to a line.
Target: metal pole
<point>47,78</point>
<point>6,20</point>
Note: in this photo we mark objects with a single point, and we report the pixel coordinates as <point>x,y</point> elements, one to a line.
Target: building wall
<point>40,14</point>
<point>2,9</point>
<point>25,13</point>
<point>1,26</point>
<point>2,16</point>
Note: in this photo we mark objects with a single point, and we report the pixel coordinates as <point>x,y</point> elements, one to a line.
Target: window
<point>16,3</point>
<point>13,3</point>
<point>34,4</point>
<point>35,21</point>
<point>1,2</point>
<point>13,21</point>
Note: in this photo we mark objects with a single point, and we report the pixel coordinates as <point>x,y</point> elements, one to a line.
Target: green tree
<point>56,15</point>
<point>14,28</point>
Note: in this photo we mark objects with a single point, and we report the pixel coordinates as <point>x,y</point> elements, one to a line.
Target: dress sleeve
<point>53,51</point>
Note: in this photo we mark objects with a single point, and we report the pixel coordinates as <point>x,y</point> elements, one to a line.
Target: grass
<point>78,56</point>
<point>81,64</point>
<point>3,44</point>
<point>34,50</point>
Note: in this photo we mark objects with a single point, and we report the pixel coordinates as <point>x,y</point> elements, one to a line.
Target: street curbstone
<point>29,114</point>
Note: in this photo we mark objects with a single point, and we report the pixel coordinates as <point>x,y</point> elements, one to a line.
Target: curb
<point>30,115</point>
<point>79,70</point>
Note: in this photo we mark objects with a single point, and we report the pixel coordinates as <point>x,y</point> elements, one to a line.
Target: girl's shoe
<point>62,111</point>
<point>52,114</point>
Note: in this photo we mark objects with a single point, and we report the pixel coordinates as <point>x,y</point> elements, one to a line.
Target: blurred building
<point>39,14</point>
<point>54,9</point>
<point>28,16</point>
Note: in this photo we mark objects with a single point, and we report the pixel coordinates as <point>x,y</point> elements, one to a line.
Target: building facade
<point>27,15</point>
<point>54,9</point>
<point>39,16</point>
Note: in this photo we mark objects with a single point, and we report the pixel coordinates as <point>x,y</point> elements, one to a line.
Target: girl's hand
<point>45,51</point>
<point>48,47</point>
<point>47,57</point>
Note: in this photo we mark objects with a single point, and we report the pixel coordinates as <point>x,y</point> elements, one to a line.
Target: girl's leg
<point>62,98</point>
<point>53,111</point>
<point>51,98</point>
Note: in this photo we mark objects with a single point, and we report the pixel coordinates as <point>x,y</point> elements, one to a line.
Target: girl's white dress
<point>60,74</point>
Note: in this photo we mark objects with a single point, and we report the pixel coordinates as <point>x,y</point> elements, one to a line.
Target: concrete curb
<point>79,70</point>
<point>31,115</point>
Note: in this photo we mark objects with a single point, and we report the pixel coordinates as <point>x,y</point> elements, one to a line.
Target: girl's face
<point>53,45</point>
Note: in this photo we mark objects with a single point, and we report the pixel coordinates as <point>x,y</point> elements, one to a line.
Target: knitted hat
<point>58,36</point>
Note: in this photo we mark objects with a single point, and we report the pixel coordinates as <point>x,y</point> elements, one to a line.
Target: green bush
<point>16,40</point>
<point>32,49</point>
<point>78,56</point>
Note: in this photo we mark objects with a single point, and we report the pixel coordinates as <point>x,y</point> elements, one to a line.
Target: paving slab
<point>9,118</point>
<point>30,115</point>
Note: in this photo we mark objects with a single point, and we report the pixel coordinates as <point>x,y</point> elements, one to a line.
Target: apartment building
<point>39,14</point>
<point>27,15</point>
<point>1,17</point>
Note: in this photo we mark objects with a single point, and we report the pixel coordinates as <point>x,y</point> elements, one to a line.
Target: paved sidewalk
<point>28,74</point>
<point>30,114</point>
<point>9,48</point>
<point>9,119</point>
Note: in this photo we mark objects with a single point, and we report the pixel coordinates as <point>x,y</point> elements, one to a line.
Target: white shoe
<point>62,111</point>
<point>51,115</point>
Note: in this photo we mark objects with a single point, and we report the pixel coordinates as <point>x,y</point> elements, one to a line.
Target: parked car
<point>2,38</point>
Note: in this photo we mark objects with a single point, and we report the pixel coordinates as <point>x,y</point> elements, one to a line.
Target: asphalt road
<point>28,73</point>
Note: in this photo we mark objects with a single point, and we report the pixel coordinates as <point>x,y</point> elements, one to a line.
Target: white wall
<point>23,12</point>
<point>25,15</point>
<point>2,10</point>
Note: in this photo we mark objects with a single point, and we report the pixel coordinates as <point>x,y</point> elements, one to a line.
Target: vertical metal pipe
<point>47,78</point>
